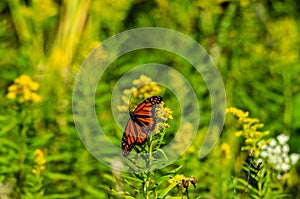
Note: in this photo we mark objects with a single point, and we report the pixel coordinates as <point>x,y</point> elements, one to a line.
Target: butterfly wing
<point>144,114</point>
<point>129,137</point>
<point>133,135</point>
<point>141,121</point>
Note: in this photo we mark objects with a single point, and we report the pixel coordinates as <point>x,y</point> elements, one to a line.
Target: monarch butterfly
<point>142,120</point>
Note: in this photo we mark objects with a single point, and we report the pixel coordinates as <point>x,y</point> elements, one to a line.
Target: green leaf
<point>58,196</point>
<point>59,176</point>
<point>167,190</point>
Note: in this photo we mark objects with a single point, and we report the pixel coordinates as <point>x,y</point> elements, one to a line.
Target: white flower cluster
<point>276,153</point>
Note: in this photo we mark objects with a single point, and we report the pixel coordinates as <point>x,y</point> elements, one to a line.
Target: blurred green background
<point>254,43</point>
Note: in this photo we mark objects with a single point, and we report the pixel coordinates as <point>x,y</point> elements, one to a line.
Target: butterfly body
<point>142,121</point>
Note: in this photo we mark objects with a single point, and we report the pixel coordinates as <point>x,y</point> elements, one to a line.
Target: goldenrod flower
<point>163,114</point>
<point>176,179</point>
<point>237,112</point>
<point>225,149</point>
<point>181,180</point>
<point>40,162</point>
<point>169,115</point>
<point>142,80</point>
<point>39,157</point>
<point>250,129</point>
<point>244,3</point>
<point>40,10</point>
<point>25,89</point>
<point>142,88</point>
<point>191,149</point>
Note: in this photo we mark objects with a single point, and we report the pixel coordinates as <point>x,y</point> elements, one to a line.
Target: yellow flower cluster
<point>285,53</point>
<point>225,149</point>
<point>169,113</point>
<point>142,89</point>
<point>40,162</point>
<point>176,179</point>
<point>182,181</point>
<point>40,9</point>
<point>237,112</point>
<point>163,114</point>
<point>25,89</point>
<point>249,130</point>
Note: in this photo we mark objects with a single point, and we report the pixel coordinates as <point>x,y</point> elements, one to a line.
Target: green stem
<point>187,193</point>
<point>147,183</point>
<point>248,178</point>
<point>19,20</point>
<point>288,96</point>
<point>23,149</point>
<point>150,152</point>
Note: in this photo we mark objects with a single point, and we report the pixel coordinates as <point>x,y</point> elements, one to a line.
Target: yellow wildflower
<point>143,88</point>
<point>169,115</point>
<point>127,91</point>
<point>162,114</point>
<point>244,3</point>
<point>181,180</point>
<point>191,149</point>
<point>176,179</point>
<point>40,10</point>
<point>122,108</point>
<point>142,80</point>
<point>249,129</point>
<point>39,157</point>
<point>25,89</point>
<point>225,149</point>
<point>11,95</point>
<point>286,53</point>
<point>40,162</point>
<point>237,112</point>
<point>166,125</point>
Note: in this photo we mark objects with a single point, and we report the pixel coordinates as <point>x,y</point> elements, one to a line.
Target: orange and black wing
<point>141,121</point>
<point>133,134</point>
<point>144,114</point>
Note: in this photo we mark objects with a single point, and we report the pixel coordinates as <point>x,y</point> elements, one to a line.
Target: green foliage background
<point>255,45</point>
